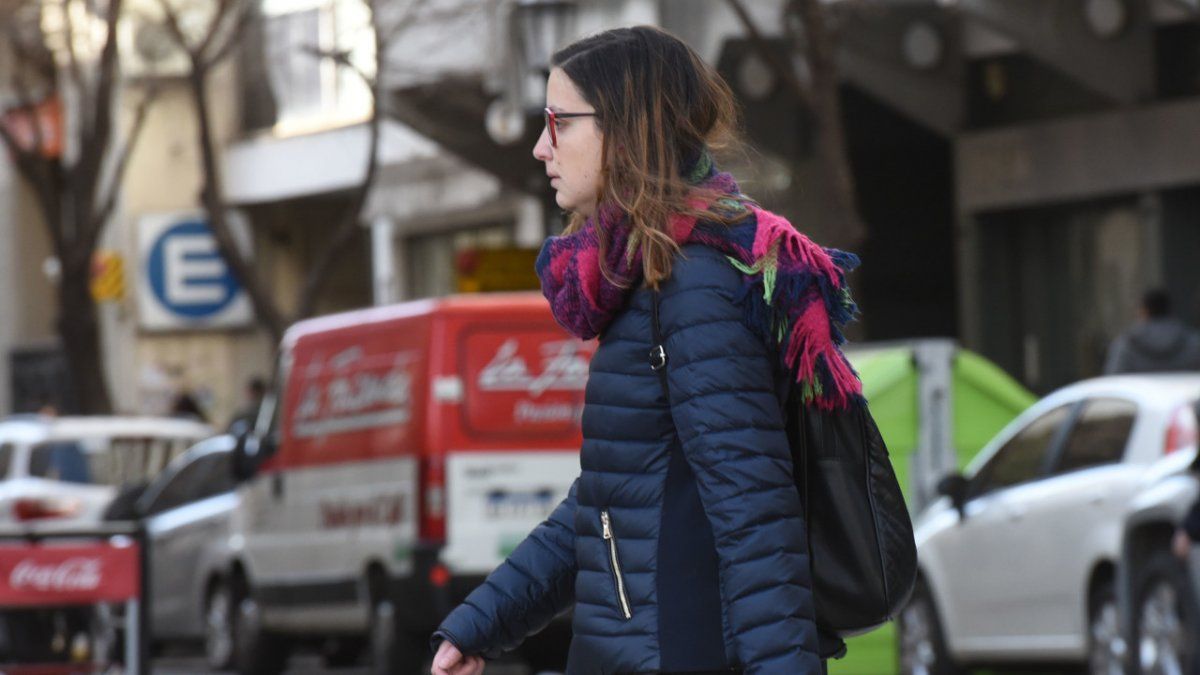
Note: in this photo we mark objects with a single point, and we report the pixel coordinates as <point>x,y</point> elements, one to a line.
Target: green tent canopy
<point>985,399</point>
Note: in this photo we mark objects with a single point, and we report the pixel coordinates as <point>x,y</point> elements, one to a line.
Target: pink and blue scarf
<point>794,293</point>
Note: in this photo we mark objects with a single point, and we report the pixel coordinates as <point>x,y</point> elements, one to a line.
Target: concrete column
<point>531,222</point>
<point>9,194</point>
<point>400,253</point>
<point>384,281</point>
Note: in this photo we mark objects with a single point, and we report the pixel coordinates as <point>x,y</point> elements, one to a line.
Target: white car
<point>66,470</point>
<point>1018,558</point>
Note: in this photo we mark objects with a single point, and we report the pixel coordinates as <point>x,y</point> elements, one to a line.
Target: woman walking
<point>681,547</point>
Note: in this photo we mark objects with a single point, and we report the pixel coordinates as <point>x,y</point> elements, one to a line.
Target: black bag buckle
<point>658,358</point>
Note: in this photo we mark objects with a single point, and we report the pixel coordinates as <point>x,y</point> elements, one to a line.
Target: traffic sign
<point>108,276</point>
<point>185,281</point>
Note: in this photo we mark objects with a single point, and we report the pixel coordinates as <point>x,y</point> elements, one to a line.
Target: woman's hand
<point>450,661</point>
<point>1181,545</point>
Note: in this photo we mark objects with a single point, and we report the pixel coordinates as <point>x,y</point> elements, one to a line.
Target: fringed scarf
<point>794,292</point>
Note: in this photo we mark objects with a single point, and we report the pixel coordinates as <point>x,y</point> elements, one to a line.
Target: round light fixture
<point>505,122</point>
<point>755,78</point>
<point>923,46</point>
<point>1106,18</point>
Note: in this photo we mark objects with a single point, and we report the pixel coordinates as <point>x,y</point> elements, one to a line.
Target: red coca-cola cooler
<point>58,586</point>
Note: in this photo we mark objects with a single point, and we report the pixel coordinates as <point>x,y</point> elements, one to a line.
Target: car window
<point>6,453</point>
<point>220,475</point>
<point>1023,458</point>
<point>189,484</point>
<point>1099,436</point>
<point>60,460</point>
<point>129,459</point>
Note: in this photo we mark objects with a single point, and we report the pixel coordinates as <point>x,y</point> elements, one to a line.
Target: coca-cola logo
<point>73,574</point>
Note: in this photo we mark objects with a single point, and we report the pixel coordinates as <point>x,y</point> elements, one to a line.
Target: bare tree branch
<point>219,15</point>
<point>212,196</point>
<point>350,221</point>
<point>73,66</point>
<point>235,36</point>
<point>86,175</point>
<point>384,36</point>
<point>118,173</point>
<point>783,70</point>
<point>821,53</point>
<point>340,57</point>
<point>171,19</point>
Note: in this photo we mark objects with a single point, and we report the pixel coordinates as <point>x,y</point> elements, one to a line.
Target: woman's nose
<point>542,150</point>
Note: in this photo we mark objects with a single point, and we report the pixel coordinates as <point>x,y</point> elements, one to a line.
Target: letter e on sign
<point>186,281</point>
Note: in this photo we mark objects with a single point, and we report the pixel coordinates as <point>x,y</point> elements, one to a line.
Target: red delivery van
<point>408,449</point>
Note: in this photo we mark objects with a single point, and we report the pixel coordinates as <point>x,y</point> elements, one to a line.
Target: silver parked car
<point>188,512</point>
<point>1019,557</point>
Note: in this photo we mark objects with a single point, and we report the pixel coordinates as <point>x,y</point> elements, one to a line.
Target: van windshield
<point>112,461</point>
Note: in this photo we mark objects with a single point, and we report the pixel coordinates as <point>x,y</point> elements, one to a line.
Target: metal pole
<point>383,261</point>
<point>142,655</point>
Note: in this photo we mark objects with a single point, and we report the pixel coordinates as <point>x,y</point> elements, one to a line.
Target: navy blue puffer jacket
<point>681,547</point>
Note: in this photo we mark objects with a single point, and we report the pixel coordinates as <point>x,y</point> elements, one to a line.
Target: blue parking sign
<point>186,281</point>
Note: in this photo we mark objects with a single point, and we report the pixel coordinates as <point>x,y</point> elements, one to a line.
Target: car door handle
<point>1016,514</point>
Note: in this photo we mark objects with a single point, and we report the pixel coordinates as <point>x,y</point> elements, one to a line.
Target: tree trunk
<point>821,53</point>
<point>79,330</point>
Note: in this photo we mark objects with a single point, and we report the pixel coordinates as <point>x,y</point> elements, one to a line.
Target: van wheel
<point>1163,623</point>
<point>394,651</point>
<point>921,649</point>
<point>256,651</point>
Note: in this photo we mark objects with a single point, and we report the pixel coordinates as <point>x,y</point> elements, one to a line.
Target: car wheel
<point>218,626</point>
<point>394,651</point>
<point>1163,625</point>
<point>1106,647</point>
<point>920,644</point>
<point>256,651</point>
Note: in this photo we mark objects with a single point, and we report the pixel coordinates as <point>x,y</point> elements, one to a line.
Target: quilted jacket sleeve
<point>730,423</point>
<point>523,594</point>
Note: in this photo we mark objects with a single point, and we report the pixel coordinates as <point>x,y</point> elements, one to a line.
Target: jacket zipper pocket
<point>615,562</point>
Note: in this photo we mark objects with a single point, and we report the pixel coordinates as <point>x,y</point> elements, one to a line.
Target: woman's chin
<point>564,203</point>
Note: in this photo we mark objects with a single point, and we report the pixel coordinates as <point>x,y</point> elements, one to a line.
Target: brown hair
<point>659,107</point>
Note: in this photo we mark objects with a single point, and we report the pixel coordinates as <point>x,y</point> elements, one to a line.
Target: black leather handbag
<point>860,536</point>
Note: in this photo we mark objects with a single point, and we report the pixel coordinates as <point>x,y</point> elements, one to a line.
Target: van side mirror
<point>249,453</point>
<point>954,486</point>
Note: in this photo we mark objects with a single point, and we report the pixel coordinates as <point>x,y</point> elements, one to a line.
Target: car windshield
<point>111,461</point>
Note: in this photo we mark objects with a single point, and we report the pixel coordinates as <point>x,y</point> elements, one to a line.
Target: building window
<point>431,260</point>
<point>312,93</point>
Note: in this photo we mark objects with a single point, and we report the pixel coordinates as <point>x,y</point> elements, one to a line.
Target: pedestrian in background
<point>243,420</point>
<point>682,546</point>
<point>1158,342</point>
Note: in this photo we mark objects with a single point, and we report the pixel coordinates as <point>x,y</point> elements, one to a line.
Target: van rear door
<point>514,451</point>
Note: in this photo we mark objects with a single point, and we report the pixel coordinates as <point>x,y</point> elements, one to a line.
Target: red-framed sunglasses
<point>552,119</point>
